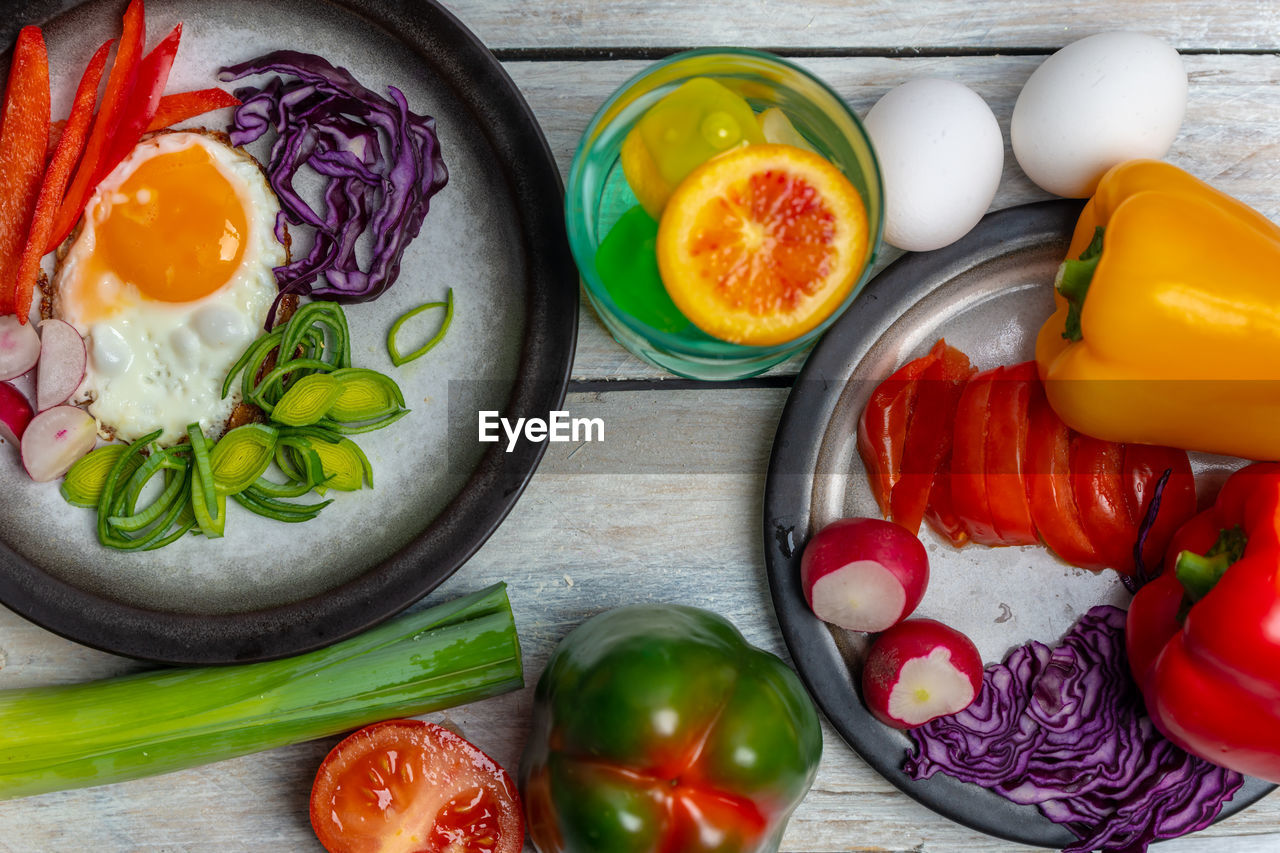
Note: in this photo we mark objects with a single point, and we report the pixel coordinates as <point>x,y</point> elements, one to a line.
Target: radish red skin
<point>864,574</point>
<point>921,641</point>
<point>15,413</point>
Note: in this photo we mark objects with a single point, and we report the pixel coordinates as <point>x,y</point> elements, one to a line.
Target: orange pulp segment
<point>761,244</point>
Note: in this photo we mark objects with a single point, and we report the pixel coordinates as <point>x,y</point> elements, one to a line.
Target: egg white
<point>161,365</point>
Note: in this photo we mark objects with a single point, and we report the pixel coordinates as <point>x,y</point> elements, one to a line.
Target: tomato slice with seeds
<point>409,786</point>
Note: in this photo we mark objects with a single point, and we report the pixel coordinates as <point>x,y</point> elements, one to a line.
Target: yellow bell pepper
<point>1167,328</point>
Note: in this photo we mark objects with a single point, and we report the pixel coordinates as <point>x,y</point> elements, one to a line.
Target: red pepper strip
<point>929,433</point>
<point>1006,451</point>
<point>24,139</point>
<point>182,106</point>
<point>153,76</point>
<point>1214,686</point>
<point>968,460</point>
<point>1144,465</point>
<point>124,70</point>
<point>1096,467</point>
<point>65,156</point>
<point>941,511</point>
<point>882,428</point>
<point>1049,486</point>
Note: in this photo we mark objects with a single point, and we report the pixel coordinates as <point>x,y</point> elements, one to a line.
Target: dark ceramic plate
<point>987,294</point>
<point>494,235</point>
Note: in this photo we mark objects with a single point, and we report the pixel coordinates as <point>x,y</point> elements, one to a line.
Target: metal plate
<point>988,295</point>
<point>270,589</point>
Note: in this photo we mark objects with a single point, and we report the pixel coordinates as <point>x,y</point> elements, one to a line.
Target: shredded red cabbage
<point>382,163</point>
<point>1064,729</point>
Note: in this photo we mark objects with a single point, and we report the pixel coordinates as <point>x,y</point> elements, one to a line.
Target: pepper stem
<point>1073,280</point>
<point>1199,574</point>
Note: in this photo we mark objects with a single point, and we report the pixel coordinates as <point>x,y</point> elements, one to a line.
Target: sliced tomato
<point>1144,465</point>
<point>410,785</point>
<point>882,428</point>
<point>968,460</point>
<point>929,433</point>
<point>1006,449</point>
<point>1096,468</point>
<point>1049,485</point>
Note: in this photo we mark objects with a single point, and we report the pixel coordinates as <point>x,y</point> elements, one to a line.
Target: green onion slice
<point>241,456</point>
<point>393,346</point>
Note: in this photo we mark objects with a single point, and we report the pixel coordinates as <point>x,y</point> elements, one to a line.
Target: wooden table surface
<point>668,508</point>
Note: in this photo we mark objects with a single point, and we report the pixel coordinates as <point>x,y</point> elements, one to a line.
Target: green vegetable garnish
<point>87,477</point>
<point>209,507</point>
<point>156,722</point>
<point>242,456</point>
<point>307,400</point>
<point>393,347</point>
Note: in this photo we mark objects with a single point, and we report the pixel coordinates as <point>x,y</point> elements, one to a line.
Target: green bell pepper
<point>658,729</point>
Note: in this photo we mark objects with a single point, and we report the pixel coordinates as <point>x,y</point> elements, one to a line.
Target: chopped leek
<point>393,345</point>
<point>74,736</point>
<point>307,400</point>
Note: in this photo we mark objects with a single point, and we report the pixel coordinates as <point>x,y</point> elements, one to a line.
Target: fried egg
<point>169,280</point>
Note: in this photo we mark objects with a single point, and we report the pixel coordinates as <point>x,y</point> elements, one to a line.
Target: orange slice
<point>761,244</point>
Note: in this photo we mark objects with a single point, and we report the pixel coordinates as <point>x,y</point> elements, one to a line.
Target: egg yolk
<point>175,228</point>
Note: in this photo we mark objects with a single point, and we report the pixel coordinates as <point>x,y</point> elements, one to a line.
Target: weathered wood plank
<point>1231,136</point>
<point>881,25</point>
<point>665,509</point>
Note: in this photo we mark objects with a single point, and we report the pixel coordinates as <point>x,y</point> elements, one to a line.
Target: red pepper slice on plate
<point>968,459</point>
<point>882,428</point>
<point>144,100</point>
<point>65,155</point>
<point>182,106</point>
<point>1049,485</point>
<point>1144,465</point>
<point>124,71</point>
<point>1210,674</point>
<point>24,140</point>
<point>1006,449</point>
<point>1096,468</point>
<point>929,433</point>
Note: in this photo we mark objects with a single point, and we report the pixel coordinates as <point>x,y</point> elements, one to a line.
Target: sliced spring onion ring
<point>393,346</point>
<point>88,476</point>
<point>241,456</point>
<point>307,400</point>
<point>364,395</point>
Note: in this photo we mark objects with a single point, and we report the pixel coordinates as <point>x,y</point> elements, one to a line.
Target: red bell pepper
<point>882,428</point>
<point>968,459</point>
<point>24,139</point>
<point>65,155</point>
<point>1005,454</point>
<point>144,100</point>
<point>1204,637</point>
<point>120,83</point>
<point>181,106</point>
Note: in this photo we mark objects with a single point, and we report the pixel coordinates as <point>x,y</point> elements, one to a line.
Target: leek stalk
<point>72,736</point>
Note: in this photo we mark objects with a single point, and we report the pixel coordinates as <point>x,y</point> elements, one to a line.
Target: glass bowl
<point>598,195</point>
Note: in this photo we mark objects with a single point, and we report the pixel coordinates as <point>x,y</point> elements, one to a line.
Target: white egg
<point>941,154</point>
<point>1097,102</point>
<point>170,279</point>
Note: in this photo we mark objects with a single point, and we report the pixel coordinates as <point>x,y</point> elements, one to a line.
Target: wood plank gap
<point>675,383</point>
<point>602,54</point>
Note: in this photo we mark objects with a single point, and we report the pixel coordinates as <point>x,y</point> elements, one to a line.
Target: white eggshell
<point>941,155</point>
<point>1097,102</point>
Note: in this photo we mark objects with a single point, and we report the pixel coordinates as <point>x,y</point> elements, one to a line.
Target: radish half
<point>55,439</point>
<point>19,347</point>
<point>864,574</point>
<point>62,363</point>
<point>919,670</point>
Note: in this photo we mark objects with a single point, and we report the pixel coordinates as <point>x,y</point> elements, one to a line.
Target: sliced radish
<point>62,363</point>
<point>15,413</point>
<point>919,670</point>
<point>55,439</point>
<point>864,574</point>
<point>19,347</point>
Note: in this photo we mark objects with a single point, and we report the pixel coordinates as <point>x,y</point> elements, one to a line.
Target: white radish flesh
<point>15,413</point>
<point>55,439</point>
<point>62,363</point>
<point>864,574</point>
<point>19,347</point>
<point>919,670</point>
